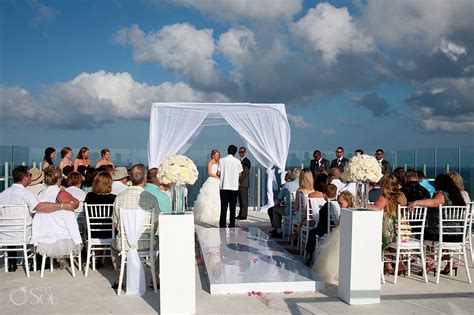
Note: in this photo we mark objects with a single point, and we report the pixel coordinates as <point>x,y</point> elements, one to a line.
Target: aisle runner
<point>243,260</point>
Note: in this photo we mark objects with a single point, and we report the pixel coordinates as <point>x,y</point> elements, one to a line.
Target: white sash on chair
<point>133,221</point>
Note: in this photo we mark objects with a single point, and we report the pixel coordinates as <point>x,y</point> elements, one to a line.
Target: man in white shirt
<point>18,194</point>
<point>335,175</point>
<point>120,179</point>
<point>229,172</point>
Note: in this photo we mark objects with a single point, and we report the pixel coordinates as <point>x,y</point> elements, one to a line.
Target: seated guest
<point>36,186</point>
<point>425,183</point>
<point>280,209</point>
<point>335,177</point>
<point>331,206</point>
<point>105,160</point>
<point>326,261</point>
<point>458,181</point>
<point>74,187</point>
<point>447,194</point>
<point>89,179</point>
<point>152,187</point>
<point>412,188</point>
<point>56,233</point>
<point>101,194</point>
<point>135,197</point>
<point>320,182</point>
<point>49,156</point>
<point>358,152</point>
<point>388,202</point>
<point>399,173</point>
<point>120,179</point>
<point>17,194</point>
<point>374,191</point>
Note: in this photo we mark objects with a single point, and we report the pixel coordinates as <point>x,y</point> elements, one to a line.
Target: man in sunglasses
<point>244,185</point>
<point>340,161</point>
<point>385,165</point>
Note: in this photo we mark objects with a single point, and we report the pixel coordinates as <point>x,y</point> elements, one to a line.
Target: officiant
<point>244,185</point>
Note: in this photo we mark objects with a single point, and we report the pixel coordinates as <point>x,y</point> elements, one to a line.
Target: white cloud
<point>179,47</point>
<point>42,13</point>
<point>298,121</point>
<point>331,31</point>
<point>91,99</point>
<point>328,132</point>
<point>451,50</point>
<point>234,10</point>
<point>237,44</point>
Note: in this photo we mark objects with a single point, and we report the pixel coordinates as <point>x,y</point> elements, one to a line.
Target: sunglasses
<point>241,151</point>
<point>338,151</point>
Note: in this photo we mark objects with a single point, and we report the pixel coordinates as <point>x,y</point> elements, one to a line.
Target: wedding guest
<point>82,163</point>
<point>18,194</point>
<point>335,177</point>
<point>152,187</point>
<point>120,178</point>
<point>330,208</point>
<point>244,182</point>
<point>457,179</point>
<point>74,187</point>
<point>340,161</point>
<point>56,233</point>
<point>447,194</point>
<point>318,162</point>
<point>89,179</point>
<point>358,152</point>
<point>135,197</point>
<point>100,194</point>
<point>280,210</point>
<point>36,185</point>
<point>326,261</point>
<point>49,156</point>
<point>388,202</point>
<point>317,197</point>
<point>399,173</point>
<point>385,165</point>
<point>425,183</point>
<point>412,189</point>
<point>306,187</point>
<point>105,159</point>
<point>66,156</point>
<point>374,191</point>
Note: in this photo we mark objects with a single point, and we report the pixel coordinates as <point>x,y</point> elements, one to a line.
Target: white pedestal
<point>177,264</point>
<point>360,256</point>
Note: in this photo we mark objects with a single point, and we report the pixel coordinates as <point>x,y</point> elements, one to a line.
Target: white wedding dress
<point>207,207</point>
<point>326,260</point>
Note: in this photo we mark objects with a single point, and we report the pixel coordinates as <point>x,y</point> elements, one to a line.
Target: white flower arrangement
<point>363,168</point>
<point>178,170</point>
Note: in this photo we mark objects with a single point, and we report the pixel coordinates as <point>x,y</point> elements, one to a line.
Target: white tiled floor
<point>242,260</point>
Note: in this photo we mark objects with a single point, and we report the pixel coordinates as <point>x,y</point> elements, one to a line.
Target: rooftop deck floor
<point>59,293</point>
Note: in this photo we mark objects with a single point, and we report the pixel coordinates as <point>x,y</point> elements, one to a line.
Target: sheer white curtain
<point>266,133</point>
<point>170,130</point>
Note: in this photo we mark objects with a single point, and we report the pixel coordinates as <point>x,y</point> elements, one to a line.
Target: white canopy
<point>264,129</point>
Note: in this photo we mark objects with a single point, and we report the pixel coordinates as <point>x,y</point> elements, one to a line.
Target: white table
<point>360,256</point>
<point>177,264</point>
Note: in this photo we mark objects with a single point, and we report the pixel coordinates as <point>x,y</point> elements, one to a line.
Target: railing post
<point>459,160</point>
<point>424,170</point>
<point>447,168</point>
<point>405,167</point>
<point>258,188</point>
<point>6,175</point>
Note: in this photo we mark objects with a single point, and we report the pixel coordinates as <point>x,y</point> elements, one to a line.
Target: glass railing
<point>432,161</point>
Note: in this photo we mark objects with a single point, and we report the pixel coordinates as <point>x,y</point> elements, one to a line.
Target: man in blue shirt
<point>425,183</point>
<point>152,187</point>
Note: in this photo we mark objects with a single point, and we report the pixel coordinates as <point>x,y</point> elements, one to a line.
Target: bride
<point>207,207</point>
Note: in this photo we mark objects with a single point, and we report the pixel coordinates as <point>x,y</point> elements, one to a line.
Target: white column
<point>177,264</point>
<point>360,256</point>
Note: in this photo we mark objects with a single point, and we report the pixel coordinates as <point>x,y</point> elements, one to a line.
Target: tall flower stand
<point>360,256</point>
<point>177,264</point>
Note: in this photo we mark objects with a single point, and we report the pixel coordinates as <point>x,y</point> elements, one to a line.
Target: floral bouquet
<point>178,170</point>
<point>362,168</point>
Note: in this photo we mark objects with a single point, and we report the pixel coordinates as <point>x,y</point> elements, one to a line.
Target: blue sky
<point>390,74</point>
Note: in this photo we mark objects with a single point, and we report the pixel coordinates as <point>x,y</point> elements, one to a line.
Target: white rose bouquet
<point>362,168</point>
<point>178,170</point>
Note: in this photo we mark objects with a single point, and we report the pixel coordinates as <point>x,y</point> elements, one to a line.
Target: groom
<point>229,172</point>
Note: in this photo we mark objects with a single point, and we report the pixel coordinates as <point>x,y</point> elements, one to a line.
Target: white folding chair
<point>288,219</point>
<point>14,235</point>
<point>98,220</point>
<point>298,216</point>
<point>452,222</point>
<point>147,239</point>
<point>410,242</point>
<point>469,228</point>
<point>308,224</point>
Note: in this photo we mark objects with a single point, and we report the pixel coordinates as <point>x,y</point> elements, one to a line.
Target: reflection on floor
<point>243,260</point>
